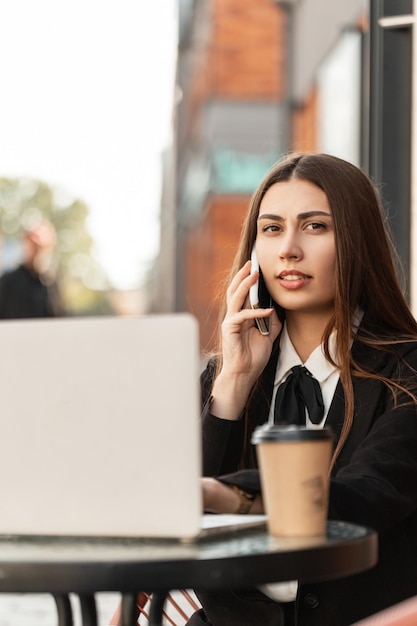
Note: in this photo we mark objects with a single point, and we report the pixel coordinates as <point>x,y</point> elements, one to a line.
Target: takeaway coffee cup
<point>294,471</point>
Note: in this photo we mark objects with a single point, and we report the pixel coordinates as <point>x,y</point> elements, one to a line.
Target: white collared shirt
<point>326,373</point>
<point>328,376</point>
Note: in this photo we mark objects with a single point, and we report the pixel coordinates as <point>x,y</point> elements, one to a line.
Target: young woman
<point>335,307</point>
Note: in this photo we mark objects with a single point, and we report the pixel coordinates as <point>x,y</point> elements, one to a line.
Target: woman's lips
<point>293,279</point>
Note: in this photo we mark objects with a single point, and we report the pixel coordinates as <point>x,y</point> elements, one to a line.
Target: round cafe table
<point>85,566</point>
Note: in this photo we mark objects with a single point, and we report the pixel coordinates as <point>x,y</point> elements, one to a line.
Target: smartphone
<point>255,296</point>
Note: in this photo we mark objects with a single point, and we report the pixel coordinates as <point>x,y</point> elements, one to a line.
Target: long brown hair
<point>366,274</point>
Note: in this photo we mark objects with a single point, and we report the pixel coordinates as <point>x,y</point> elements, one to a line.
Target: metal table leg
<point>157,607</point>
<point>88,610</point>
<point>129,611</point>
<point>64,610</point>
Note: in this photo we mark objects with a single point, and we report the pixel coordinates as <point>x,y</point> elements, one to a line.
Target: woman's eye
<point>316,226</point>
<point>271,228</point>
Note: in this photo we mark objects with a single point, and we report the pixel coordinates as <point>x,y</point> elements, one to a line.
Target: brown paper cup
<point>294,470</point>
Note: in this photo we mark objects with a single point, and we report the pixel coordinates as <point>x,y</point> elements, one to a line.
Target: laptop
<point>101,429</point>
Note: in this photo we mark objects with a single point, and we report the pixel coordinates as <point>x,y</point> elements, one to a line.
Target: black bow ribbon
<point>299,392</point>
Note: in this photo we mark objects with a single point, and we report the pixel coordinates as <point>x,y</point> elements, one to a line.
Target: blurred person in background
<point>31,290</point>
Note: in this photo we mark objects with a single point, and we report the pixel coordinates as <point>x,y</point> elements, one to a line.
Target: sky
<point>87,91</point>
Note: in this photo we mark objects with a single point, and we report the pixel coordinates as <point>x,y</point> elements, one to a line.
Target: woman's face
<point>295,245</point>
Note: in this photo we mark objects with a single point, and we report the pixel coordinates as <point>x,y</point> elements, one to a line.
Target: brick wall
<point>241,56</point>
<point>247,58</point>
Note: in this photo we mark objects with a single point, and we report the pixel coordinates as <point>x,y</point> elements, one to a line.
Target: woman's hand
<point>219,498</point>
<point>245,350</point>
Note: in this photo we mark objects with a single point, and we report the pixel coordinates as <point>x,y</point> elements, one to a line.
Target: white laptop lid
<point>100,426</point>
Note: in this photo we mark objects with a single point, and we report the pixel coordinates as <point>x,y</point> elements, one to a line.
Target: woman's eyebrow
<point>300,216</point>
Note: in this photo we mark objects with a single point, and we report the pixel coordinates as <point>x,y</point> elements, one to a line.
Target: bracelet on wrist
<point>246,500</point>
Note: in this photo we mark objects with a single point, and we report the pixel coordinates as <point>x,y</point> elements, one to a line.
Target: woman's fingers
<point>239,310</point>
<point>237,293</point>
<point>236,320</point>
<point>240,317</point>
<point>239,276</point>
<point>245,350</point>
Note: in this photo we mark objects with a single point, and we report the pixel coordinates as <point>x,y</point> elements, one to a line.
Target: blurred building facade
<point>257,79</point>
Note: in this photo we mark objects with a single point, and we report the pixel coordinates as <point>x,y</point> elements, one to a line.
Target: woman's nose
<point>289,246</point>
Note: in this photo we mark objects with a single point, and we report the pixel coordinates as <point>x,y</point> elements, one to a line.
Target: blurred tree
<point>23,202</point>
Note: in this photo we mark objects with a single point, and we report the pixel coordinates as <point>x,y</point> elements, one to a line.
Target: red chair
<point>179,607</point>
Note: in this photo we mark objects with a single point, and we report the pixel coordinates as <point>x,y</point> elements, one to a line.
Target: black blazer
<point>374,481</point>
